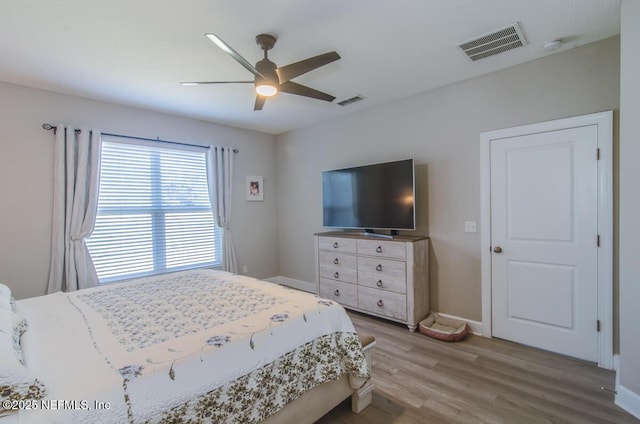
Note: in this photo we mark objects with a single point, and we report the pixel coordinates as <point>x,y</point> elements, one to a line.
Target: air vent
<point>351,100</point>
<point>495,42</point>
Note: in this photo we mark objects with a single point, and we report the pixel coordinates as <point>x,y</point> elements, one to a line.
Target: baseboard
<point>625,398</point>
<point>628,400</point>
<point>293,283</point>
<point>475,326</point>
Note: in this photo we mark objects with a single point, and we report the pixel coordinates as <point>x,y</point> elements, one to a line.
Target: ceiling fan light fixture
<point>267,85</point>
<point>266,89</point>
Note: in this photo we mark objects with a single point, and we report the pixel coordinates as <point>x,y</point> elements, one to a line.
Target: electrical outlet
<point>245,269</point>
<point>470,226</point>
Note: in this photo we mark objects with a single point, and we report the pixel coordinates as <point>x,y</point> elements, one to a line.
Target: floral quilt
<point>196,346</point>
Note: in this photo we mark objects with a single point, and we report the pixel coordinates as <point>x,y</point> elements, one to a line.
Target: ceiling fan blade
<point>234,54</point>
<point>259,102</point>
<point>288,72</point>
<point>215,82</point>
<point>302,90</point>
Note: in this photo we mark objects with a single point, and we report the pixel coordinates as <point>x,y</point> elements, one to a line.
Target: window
<point>154,213</point>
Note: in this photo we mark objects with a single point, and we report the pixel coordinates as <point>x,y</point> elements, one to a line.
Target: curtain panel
<point>220,176</point>
<point>75,202</point>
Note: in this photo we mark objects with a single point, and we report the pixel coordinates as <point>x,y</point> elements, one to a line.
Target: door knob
<point>497,249</point>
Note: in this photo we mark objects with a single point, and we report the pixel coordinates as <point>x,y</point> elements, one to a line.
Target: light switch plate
<point>470,226</point>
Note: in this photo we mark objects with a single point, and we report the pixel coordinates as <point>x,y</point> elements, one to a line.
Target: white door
<point>544,221</point>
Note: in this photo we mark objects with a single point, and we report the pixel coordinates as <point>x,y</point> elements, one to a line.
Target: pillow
<point>18,324</point>
<point>5,297</point>
<point>16,381</point>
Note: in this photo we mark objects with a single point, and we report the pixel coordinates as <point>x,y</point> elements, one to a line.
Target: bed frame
<point>314,404</point>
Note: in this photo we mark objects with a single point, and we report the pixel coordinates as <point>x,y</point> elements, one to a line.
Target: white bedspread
<point>181,345</point>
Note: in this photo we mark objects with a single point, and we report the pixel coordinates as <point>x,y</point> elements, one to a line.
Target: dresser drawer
<point>344,293</point>
<point>333,272</point>
<point>384,249</point>
<point>384,303</point>
<point>382,267</point>
<point>380,281</point>
<point>337,244</point>
<point>338,260</point>
<point>383,274</point>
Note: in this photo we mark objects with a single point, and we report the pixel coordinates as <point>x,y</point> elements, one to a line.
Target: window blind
<point>154,213</point>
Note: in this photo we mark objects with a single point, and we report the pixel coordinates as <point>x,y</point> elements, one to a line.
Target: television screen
<point>375,197</point>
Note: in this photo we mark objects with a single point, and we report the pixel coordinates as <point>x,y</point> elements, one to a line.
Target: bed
<point>199,346</point>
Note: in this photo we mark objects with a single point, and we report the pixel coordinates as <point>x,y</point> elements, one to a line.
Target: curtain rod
<point>49,127</point>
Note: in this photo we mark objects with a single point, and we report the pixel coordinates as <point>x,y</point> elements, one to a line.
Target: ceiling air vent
<point>351,100</point>
<point>495,42</point>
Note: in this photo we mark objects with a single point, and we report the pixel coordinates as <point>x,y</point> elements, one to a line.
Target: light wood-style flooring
<point>478,380</point>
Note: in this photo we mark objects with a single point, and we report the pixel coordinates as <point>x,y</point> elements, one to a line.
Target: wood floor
<point>478,380</point>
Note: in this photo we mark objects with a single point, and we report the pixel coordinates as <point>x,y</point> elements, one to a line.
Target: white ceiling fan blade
<point>234,54</point>
<point>215,82</point>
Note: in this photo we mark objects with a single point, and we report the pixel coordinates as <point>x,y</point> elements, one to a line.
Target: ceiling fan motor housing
<point>268,69</point>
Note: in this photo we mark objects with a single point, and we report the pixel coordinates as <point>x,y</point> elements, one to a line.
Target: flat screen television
<point>371,197</point>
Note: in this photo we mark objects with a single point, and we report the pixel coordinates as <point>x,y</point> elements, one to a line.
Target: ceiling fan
<point>269,79</point>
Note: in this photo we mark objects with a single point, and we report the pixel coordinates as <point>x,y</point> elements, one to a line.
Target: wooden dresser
<point>388,278</point>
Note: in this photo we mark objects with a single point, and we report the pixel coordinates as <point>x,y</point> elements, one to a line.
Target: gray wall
<point>629,266</point>
<point>26,166</point>
<point>441,130</point>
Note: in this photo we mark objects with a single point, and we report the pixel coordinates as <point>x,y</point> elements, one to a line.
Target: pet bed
<point>446,329</point>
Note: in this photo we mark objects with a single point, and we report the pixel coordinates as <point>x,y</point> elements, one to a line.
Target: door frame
<point>604,122</point>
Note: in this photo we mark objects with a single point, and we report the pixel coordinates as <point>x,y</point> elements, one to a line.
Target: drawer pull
<point>336,293</point>
<point>336,274</point>
<point>335,244</point>
<point>379,303</point>
<point>379,267</point>
<point>379,283</point>
<point>379,249</point>
<point>336,261</point>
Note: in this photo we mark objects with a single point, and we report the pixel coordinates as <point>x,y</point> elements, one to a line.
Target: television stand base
<point>376,235</point>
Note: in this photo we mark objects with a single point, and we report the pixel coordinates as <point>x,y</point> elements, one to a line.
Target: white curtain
<point>220,176</point>
<point>75,202</point>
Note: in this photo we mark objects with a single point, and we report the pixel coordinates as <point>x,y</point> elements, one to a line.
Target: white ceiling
<point>135,52</point>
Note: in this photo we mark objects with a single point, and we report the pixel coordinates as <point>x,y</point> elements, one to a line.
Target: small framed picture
<point>255,188</point>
